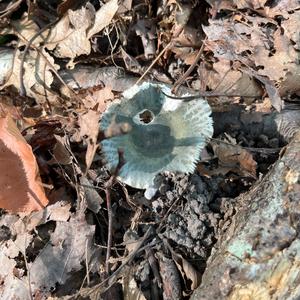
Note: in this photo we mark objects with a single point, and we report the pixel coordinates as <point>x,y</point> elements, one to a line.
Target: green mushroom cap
<point>166,134</point>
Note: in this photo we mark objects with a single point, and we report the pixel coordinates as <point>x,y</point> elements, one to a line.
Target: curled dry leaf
<point>70,37</point>
<point>234,158</point>
<point>20,183</point>
<point>88,123</point>
<point>187,271</point>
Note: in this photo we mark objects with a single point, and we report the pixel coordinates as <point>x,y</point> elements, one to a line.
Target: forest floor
<point>69,228</point>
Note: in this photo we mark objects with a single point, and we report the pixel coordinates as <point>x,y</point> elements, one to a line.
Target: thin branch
<point>10,9</point>
<point>108,186</point>
<point>99,286</point>
<point>189,70</point>
<point>22,86</point>
<point>154,62</point>
<point>206,94</point>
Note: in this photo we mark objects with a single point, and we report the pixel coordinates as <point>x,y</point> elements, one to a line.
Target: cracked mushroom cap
<point>166,134</point>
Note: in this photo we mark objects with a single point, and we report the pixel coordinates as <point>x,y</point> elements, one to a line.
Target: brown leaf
<point>20,183</point>
<point>282,8</point>
<point>37,76</point>
<point>187,270</point>
<point>70,37</point>
<point>97,98</point>
<point>130,289</point>
<point>170,277</point>
<point>59,211</point>
<point>224,79</point>
<point>235,158</point>
<point>88,131</point>
<point>61,155</point>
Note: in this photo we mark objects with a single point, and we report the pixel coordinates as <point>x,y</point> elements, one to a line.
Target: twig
<point>87,264</point>
<point>22,86</point>
<point>10,9</point>
<point>206,94</point>
<point>136,250</point>
<point>47,61</point>
<point>108,186</point>
<point>154,62</point>
<point>189,70</point>
<point>28,271</point>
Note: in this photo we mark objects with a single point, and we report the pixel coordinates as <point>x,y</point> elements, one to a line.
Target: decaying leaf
<point>103,17</point>
<point>70,37</point>
<point>130,289</point>
<point>37,77</point>
<point>188,272</point>
<point>61,155</point>
<point>88,123</point>
<point>20,183</point>
<point>97,98</point>
<point>92,197</point>
<point>234,158</point>
<point>64,254</point>
<point>12,285</point>
<point>224,79</point>
<point>59,211</point>
<point>261,42</point>
<point>146,30</point>
<point>170,277</point>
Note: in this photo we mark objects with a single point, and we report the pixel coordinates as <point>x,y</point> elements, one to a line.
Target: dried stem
<point>206,94</point>
<point>189,70</point>
<point>22,86</point>
<point>108,186</point>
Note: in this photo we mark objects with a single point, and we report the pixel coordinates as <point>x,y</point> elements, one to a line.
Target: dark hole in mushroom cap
<point>146,116</point>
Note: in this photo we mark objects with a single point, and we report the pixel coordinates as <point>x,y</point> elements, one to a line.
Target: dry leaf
<point>92,197</point>
<point>146,30</point>
<point>59,211</point>
<point>64,253</point>
<point>234,158</point>
<point>20,183</point>
<point>37,77</point>
<point>61,155</point>
<point>97,98</point>
<point>88,131</point>
<point>103,17</point>
<point>70,36</point>
<point>187,270</point>
<point>25,28</point>
<point>131,290</point>
<point>282,8</point>
<point>170,277</point>
<point>224,80</point>
<point>12,286</point>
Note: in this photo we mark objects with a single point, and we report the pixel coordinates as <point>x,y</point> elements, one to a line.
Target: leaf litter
<point>246,52</point>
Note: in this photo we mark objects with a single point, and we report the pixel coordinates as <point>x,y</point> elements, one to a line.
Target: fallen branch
<point>108,187</point>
